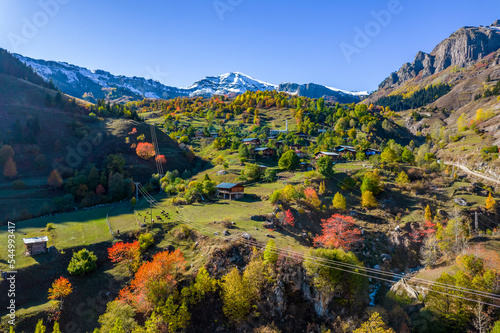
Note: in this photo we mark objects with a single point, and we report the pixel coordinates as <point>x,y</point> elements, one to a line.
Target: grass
<point>70,229</point>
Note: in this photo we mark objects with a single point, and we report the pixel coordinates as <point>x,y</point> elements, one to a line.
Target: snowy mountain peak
<point>229,83</point>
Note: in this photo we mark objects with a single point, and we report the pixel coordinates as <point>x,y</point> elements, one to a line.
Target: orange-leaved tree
<point>154,281</point>
<point>312,197</point>
<point>338,231</point>
<point>55,180</point>
<point>128,252</point>
<point>161,159</point>
<point>60,289</point>
<point>145,150</point>
<point>10,169</point>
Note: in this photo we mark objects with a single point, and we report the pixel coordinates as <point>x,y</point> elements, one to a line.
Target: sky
<point>351,45</point>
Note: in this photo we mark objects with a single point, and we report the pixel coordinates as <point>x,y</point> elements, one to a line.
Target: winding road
<point>470,172</point>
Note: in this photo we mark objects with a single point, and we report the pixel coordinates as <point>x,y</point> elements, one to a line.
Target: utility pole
<point>476,222</point>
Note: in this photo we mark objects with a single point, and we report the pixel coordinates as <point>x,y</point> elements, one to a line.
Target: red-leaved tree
<point>161,159</point>
<point>153,281</point>
<point>128,252</point>
<point>99,190</point>
<point>134,131</point>
<point>289,219</point>
<point>145,150</point>
<point>338,231</point>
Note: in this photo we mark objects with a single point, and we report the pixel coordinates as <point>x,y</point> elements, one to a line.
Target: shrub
<point>82,262</point>
<point>49,227</point>
<point>145,241</point>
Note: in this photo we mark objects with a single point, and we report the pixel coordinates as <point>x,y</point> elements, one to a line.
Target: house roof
<point>262,149</point>
<point>328,153</point>
<point>250,139</point>
<point>35,240</point>
<point>226,185</point>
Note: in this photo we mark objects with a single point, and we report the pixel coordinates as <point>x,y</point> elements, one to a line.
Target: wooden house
<point>296,146</point>
<point>332,155</point>
<point>342,150</point>
<point>262,168</point>
<point>35,245</point>
<point>252,141</point>
<point>230,191</point>
<point>265,151</point>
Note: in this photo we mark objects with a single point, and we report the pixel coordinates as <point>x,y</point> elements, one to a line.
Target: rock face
<point>464,47</point>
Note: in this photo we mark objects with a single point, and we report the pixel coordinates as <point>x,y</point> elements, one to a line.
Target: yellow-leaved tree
<point>490,202</point>
<point>374,325</point>
<point>339,202</point>
<point>368,200</point>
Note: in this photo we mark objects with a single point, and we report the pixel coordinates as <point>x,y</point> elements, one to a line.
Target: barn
<point>35,245</point>
<point>230,191</point>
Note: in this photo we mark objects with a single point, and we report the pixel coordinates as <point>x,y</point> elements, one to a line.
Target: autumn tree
<point>339,202</point>
<point>6,152</point>
<point>127,252</point>
<point>371,182</point>
<point>368,200</point>
<point>56,328</point>
<point>375,324</point>
<point>161,159</point>
<point>40,327</point>
<point>490,203</point>
<point>55,180</point>
<point>322,188</point>
<point>402,179</point>
<point>236,298</point>
<point>311,197</point>
<point>428,213</point>
<point>338,231</point>
<point>60,289</point>
<point>289,219</point>
<point>271,252</point>
<point>10,169</point>
<point>145,150</point>
<point>153,281</point>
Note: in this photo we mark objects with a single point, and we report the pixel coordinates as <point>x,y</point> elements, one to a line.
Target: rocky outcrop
<point>464,47</point>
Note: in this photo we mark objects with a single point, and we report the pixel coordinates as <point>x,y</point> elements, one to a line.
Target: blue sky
<point>179,42</point>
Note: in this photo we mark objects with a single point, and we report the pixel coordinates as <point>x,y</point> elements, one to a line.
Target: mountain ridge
<point>93,84</point>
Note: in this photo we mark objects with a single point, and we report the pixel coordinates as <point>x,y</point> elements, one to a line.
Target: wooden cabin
<point>266,152</point>
<point>230,191</point>
<point>35,245</point>
<point>252,141</point>
<point>342,150</point>
<point>331,155</point>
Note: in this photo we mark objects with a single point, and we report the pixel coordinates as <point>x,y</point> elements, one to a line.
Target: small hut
<point>35,245</point>
<point>230,191</point>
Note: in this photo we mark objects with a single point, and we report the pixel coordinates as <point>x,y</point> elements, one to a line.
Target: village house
<point>332,155</point>
<point>262,168</point>
<point>300,154</point>
<point>266,152</point>
<point>370,152</point>
<point>35,245</point>
<point>198,134</point>
<point>342,150</point>
<point>252,141</point>
<point>295,146</point>
<point>230,191</point>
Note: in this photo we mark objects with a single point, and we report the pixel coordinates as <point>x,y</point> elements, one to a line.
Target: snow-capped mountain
<point>91,85</point>
<point>228,83</point>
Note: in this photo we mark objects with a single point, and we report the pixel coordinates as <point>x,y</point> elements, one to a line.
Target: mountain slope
<point>464,47</point>
<point>91,85</point>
